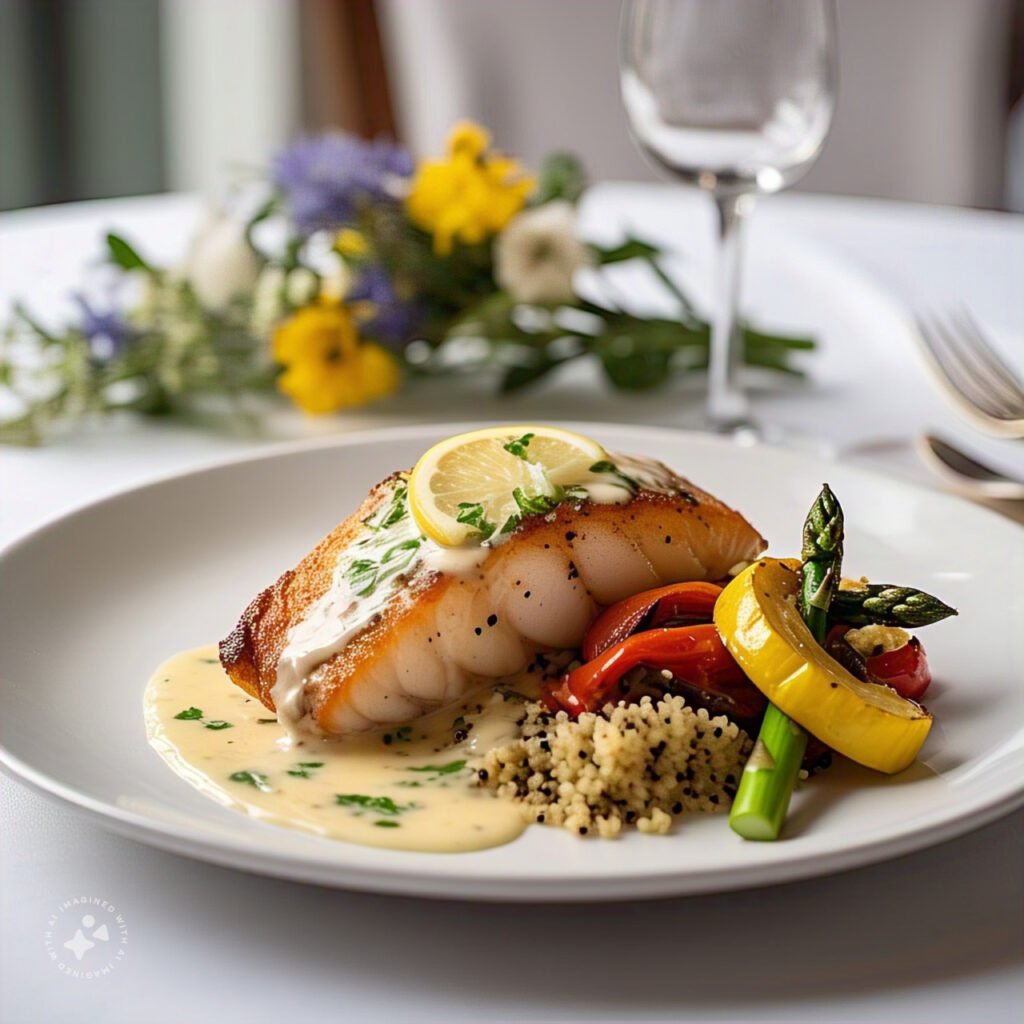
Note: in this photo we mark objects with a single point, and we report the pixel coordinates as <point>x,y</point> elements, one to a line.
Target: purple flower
<point>394,319</point>
<point>328,177</point>
<point>107,332</point>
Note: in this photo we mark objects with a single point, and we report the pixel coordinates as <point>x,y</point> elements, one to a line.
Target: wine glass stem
<point>728,409</point>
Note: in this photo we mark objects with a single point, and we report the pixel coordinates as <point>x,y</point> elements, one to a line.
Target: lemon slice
<point>760,623</point>
<point>466,487</point>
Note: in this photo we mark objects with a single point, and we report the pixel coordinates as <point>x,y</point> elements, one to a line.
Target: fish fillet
<point>425,635</point>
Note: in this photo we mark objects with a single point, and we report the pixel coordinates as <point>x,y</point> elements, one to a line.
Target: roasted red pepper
<point>647,610</point>
<point>905,669</point>
<point>694,655</point>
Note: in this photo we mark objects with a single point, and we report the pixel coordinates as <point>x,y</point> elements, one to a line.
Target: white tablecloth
<point>934,936</point>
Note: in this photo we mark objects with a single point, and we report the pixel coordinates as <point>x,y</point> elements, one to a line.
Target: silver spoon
<point>966,473</point>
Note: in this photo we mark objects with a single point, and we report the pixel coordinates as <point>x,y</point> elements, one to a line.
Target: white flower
<point>302,286</point>
<point>220,264</point>
<point>269,305</point>
<point>335,281</point>
<point>538,253</point>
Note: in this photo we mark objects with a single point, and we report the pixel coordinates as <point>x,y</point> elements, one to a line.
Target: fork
<point>979,383</point>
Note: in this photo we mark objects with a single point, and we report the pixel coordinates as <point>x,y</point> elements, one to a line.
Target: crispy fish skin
<point>440,635</point>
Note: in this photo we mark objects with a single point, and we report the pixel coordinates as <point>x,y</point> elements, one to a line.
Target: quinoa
<point>630,764</point>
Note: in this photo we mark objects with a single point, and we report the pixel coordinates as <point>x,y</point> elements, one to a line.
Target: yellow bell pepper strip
<point>761,625</point>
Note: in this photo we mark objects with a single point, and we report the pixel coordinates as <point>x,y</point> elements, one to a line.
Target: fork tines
<point>981,384</point>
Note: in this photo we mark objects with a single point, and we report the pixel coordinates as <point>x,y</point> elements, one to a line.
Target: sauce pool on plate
<point>411,788</point>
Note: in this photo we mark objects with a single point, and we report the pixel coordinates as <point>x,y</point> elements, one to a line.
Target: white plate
<point>91,603</point>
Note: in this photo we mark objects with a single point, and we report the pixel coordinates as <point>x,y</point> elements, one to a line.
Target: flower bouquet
<point>359,270</point>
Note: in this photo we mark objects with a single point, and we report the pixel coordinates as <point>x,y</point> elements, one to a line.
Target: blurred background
<point>118,97</point>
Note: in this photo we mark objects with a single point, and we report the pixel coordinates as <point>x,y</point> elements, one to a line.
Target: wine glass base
<point>746,432</point>
<point>741,429</point>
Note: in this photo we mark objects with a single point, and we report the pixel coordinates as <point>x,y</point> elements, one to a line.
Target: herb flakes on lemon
<point>477,486</point>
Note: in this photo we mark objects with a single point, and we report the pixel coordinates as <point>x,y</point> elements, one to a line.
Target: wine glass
<point>735,97</point>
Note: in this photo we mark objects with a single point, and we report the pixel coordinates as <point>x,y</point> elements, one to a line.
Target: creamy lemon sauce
<point>392,549</point>
<point>410,788</point>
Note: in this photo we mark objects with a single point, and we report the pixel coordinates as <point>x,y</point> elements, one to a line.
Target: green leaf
<point>605,466</point>
<point>633,365</point>
<point>218,724</point>
<point>472,514</point>
<point>518,447</point>
<point>754,339</point>
<point>250,778</point>
<point>362,576</point>
<point>190,714</point>
<point>631,249</point>
<point>397,550</point>
<point>124,255</point>
<point>395,511</point>
<point>387,824</point>
<point>537,505</point>
<point>381,804</point>
<point>439,769</point>
<point>561,177</point>
<point>522,375</point>
<point>265,211</point>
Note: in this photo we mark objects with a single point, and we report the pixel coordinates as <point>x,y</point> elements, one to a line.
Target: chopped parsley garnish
<point>364,574</point>
<point>196,715</point>
<point>537,505</point>
<point>303,768</point>
<point>472,514</point>
<point>606,466</point>
<point>518,446</point>
<point>250,778</point>
<point>439,769</point>
<point>266,721</point>
<point>380,804</point>
<point>394,513</point>
<point>387,824</point>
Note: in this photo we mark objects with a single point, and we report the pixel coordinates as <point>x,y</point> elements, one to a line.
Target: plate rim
<point>241,853</point>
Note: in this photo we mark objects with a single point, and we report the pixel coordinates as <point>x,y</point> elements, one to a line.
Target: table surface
<point>937,936</point>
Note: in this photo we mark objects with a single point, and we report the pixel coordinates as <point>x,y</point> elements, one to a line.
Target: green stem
<point>768,778</point>
<point>765,788</point>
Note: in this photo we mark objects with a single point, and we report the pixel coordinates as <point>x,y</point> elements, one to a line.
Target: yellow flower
<point>350,242</point>
<point>468,137</point>
<point>470,195</point>
<point>326,367</point>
